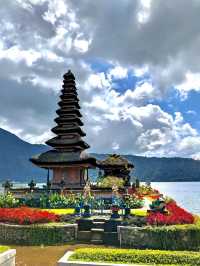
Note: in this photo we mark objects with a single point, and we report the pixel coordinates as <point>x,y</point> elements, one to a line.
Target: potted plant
<point>77,210</point>
<point>115,211</point>
<point>87,210</point>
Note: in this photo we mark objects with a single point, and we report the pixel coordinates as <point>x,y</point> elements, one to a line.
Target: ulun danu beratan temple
<point>68,159</point>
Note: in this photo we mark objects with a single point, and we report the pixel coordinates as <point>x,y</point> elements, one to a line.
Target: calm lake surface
<point>186,194</point>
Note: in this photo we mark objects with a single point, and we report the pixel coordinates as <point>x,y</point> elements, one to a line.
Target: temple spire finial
<point>68,130</point>
<point>69,75</point>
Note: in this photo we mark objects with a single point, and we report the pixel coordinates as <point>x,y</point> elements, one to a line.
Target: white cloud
<point>189,146</point>
<point>191,83</point>
<point>144,128</point>
<point>42,39</point>
<point>191,112</point>
<point>15,54</point>
<point>81,45</point>
<point>118,72</point>
<point>56,9</point>
<point>144,11</point>
<point>97,81</point>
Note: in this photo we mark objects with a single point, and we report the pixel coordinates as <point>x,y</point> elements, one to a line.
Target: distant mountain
<point>14,158</point>
<point>164,169</point>
<point>15,164</point>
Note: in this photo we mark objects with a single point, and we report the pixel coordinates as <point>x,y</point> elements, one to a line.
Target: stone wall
<point>136,237</point>
<point>47,234</point>
<point>179,237</point>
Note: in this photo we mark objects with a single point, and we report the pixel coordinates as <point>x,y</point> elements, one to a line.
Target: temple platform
<point>37,192</point>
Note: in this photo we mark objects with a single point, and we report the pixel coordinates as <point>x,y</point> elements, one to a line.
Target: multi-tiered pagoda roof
<point>68,145</point>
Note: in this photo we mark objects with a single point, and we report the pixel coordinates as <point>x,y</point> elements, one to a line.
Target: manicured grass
<point>155,257</point>
<point>3,249</point>
<point>139,212</point>
<point>61,211</point>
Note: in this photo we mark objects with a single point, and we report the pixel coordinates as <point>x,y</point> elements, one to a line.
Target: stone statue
<point>115,190</point>
<point>87,190</point>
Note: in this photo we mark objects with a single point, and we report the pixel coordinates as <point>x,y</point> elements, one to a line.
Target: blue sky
<point>172,103</point>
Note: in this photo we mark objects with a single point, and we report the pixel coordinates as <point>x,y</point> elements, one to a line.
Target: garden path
<point>43,256</point>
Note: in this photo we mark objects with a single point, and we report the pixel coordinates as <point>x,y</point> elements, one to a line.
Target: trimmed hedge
<point>47,234</point>
<point>137,256</point>
<point>175,237</point>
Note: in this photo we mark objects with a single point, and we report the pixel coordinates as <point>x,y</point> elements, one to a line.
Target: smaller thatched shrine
<point>116,166</point>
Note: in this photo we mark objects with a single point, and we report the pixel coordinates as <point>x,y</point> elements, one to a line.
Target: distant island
<point>15,165</point>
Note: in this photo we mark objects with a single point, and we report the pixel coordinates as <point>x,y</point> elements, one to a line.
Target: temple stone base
<point>68,177</point>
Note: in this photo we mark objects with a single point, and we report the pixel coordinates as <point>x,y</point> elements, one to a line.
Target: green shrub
<point>137,256</point>
<point>133,202</point>
<point>173,237</point>
<point>30,201</point>
<point>8,201</point>
<point>58,201</point>
<point>110,181</point>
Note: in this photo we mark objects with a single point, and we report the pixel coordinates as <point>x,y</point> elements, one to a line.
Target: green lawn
<point>138,212</point>
<point>61,211</point>
<point>3,248</point>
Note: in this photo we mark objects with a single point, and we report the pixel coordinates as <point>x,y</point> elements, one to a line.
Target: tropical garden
<point>166,225</point>
<point>144,202</point>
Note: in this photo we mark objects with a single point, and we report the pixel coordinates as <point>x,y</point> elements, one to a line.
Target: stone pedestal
<point>70,176</point>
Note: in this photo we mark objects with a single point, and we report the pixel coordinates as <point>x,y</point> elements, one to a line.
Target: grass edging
<point>3,249</point>
<point>131,256</point>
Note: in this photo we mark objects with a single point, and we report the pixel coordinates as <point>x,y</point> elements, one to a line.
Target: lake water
<point>186,194</point>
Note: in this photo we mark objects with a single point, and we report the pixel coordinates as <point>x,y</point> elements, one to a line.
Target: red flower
<point>26,216</point>
<point>155,196</point>
<point>175,215</point>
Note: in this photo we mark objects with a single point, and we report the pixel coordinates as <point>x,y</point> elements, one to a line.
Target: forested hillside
<point>15,164</point>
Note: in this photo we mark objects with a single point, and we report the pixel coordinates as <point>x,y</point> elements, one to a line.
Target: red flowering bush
<point>26,216</point>
<point>175,215</point>
<point>155,197</point>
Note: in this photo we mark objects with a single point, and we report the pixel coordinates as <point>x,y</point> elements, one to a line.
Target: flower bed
<point>26,216</point>
<point>175,215</point>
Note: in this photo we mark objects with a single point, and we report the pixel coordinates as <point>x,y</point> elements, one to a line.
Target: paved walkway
<point>42,256</point>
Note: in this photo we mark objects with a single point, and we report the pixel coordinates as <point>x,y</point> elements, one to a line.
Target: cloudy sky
<point>137,67</point>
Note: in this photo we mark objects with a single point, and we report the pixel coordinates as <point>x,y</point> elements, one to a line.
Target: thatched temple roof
<point>115,160</point>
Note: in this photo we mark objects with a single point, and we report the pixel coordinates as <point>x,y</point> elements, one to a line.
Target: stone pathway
<point>43,256</point>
